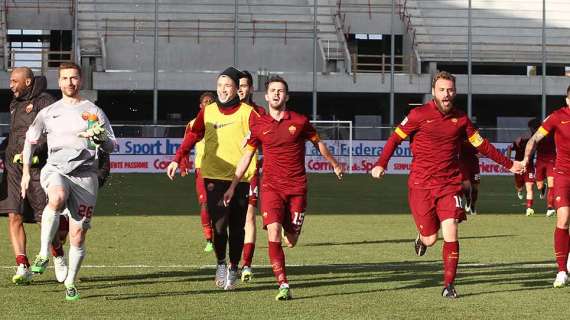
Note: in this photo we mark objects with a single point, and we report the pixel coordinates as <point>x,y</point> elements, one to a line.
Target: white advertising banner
<point>152,155</point>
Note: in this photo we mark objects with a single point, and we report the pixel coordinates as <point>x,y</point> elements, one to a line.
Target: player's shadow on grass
<point>102,282</point>
<point>384,277</point>
<point>391,241</point>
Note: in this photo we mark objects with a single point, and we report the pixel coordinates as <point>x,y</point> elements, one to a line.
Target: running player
<point>224,126</point>
<point>558,124</point>
<point>527,178</point>
<point>544,166</point>
<point>245,93</point>
<point>205,99</point>
<point>282,135</point>
<point>434,184</point>
<point>75,128</point>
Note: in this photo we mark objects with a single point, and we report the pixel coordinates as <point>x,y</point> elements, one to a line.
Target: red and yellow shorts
<point>544,169</point>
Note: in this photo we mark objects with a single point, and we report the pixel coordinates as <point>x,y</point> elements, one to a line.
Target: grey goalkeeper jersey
<point>61,123</point>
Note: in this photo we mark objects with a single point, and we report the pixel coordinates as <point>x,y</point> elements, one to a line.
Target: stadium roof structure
<point>505,31</point>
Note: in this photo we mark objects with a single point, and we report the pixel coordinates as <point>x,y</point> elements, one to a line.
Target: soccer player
<point>469,167</point>
<point>434,193</point>
<point>282,135</point>
<point>527,178</point>
<point>30,97</point>
<point>544,165</point>
<point>224,126</point>
<point>75,128</point>
<point>205,99</point>
<point>558,124</point>
<point>245,93</point>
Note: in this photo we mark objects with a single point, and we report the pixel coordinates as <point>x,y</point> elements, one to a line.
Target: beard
<point>442,107</point>
<point>70,92</point>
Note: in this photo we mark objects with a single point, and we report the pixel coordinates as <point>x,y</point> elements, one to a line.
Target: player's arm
<point>242,166</point>
<point>408,126</point>
<point>196,134</point>
<point>532,143</point>
<point>33,136</point>
<point>325,152</point>
<point>487,149</point>
<point>184,164</point>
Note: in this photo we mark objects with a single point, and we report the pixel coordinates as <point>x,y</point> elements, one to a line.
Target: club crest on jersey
<point>454,120</point>
<point>85,115</point>
<point>292,129</point>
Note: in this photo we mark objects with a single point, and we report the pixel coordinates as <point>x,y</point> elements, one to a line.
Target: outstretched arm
<point>329,157</point>
<point>380,167</point>
<point>242,166</point>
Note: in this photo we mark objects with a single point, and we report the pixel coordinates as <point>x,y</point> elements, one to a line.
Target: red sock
<point>22,259</point>
<point>248,249</point>
<point>206,227</point>
<point>57,251</point>
<point>550,198</point>
<point>450,261</point>
<point>561,244</point>
<point>277,260</point>
<point>529,203</point>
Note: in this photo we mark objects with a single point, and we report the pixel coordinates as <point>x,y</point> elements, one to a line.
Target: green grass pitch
<point>355,260</point>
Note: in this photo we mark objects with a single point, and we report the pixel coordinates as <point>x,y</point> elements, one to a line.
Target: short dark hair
<point>69,65</point>
<point>442,75</point>
<point>205,95</point>
<point>276,79</point>
<point>245,74</point>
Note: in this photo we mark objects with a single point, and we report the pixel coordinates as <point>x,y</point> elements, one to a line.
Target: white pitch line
<point>338,266</point>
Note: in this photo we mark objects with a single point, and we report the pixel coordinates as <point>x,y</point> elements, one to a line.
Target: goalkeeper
<point>75,129</point>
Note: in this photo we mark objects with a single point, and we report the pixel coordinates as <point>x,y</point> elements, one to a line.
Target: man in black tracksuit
<point>29,98</point>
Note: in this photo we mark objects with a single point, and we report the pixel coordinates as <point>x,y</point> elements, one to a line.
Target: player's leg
<point>294,219</point>
<point>238,211</point>
<point>219,214</point>
<point>59,262</point>
<point>519,183</point>
<point>57,192</point>
<point>450,213</point>
<point>422,206</point>
<point>250,230</point>
<point>273,206</point>
<point>17,233</point>
<point>204,216</point>
<point>83,190</point>
<point>467,191</point>
<point>550,211</point>
<point>540,176</point>
<point>529,197</point>
<point>562,245</point>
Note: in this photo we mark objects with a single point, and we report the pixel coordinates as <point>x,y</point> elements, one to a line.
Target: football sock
<point>206,226</point>
<point>529,203</point>
<point>561,239</point>
<point>550,198</point>
<point>22,259</point>
<point>277,260</point>
<point>450,260</point>
<point>49,226</point>
<point>248,249</point>
<point>76,255</point>
<point>474,197</point>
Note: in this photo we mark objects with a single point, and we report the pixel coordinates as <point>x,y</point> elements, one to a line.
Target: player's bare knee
<point>429,240</point>
<point>15,219</point>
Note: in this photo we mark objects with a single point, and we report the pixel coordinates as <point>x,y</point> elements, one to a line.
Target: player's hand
<point>183,172</point>
<point>518,167</point>
<point>96,131</point>
<point>228,196</point>
<point>171,170</point>
<point>338,171</point>
<point>377,172</point>
<point>24,183</point>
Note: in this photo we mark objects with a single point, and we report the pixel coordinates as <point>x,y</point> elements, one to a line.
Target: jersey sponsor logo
<point>292,129</point>
<point>404,121</point>
<point>55,116</point>
<point>221,125</point>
